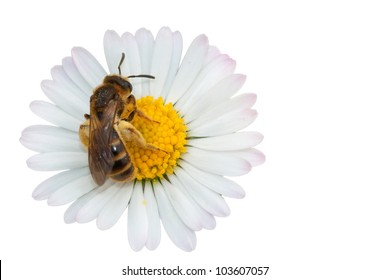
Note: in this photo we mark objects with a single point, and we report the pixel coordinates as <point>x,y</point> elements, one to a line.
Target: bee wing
<point>100,156</point>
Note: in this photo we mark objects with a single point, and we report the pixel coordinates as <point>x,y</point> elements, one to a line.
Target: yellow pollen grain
<point>167,131</point>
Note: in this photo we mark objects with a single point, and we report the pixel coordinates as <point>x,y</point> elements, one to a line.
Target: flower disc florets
<point>167,132</point>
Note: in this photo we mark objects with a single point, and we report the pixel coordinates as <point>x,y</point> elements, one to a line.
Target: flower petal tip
<point>201,40</point>
<point>38,196</point>
<point>110,32</point>
<point>77,50</point>
<point>258,158</point>
<point>165,29</point>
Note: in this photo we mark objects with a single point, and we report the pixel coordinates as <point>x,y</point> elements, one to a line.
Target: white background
<point>317,209</point>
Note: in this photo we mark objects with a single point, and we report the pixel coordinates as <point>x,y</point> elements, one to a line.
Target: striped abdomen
<point>123,168</point>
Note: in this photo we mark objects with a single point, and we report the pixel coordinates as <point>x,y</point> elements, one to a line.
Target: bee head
<point>119,81</point>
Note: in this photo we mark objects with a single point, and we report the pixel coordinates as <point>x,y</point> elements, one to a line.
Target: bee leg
<point>131,109</point>
<point>130,134</point>
<point>144,116</point>
<point>84,133</point>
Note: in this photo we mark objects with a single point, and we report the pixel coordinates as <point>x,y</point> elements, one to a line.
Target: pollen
<point>166,131</point>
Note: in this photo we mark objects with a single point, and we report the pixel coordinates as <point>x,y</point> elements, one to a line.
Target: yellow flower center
<point>168,133</point>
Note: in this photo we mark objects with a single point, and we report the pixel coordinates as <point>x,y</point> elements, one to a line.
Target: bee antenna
<point>120,64</point>
<point>141,76</point>
<point>132,76</point>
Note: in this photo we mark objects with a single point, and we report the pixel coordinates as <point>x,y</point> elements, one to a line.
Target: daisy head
<point>157,135</point>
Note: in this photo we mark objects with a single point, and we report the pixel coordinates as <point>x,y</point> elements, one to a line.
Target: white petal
<point>253,156</point>
<point>51,130</point>
<point>184,208</point>
<point>227,87</point>
<point>72,191</point>
<point>215,96</point>
<point>161,60</point>
<point>61,77</point>
<point>145,42</point>
<point>92,208</point>
<point>58,161</point>
<point>45,138</point>
<point>70,214</point>
<point>228,142</point>
<point>220,163</point>
<point>212,52</point>
<point>174,64</point>
<point>178,232</point>
<point>50,185</point>
<point>228,123</point>
<point>115,207</point>
<point>210,76</point>
<point>215,110</point>
<point>204,218</point>
<point>137,223</point>
<point>88,66</point>
<point>189,68</point>
<point>54,115</point>
<point>238,102</point>
<point>133,61</point>
<point>154,228</point>
<point>72,71</point>
<point>214,182</point>
<point>209,200</point>
<point>113,49</point>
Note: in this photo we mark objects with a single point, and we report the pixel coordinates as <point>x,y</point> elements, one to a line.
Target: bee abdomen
<point>125,174</point>
<point>123,169</point>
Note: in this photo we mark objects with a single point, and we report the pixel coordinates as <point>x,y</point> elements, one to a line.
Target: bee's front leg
<point>131,136</point>
<point>144,116</point>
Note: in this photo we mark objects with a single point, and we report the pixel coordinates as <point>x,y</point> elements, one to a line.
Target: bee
<point>107,132</point>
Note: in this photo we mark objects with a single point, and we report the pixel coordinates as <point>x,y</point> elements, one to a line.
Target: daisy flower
<point>197,118</point>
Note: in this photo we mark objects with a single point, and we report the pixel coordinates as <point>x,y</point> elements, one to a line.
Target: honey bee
<point>107,132</point>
